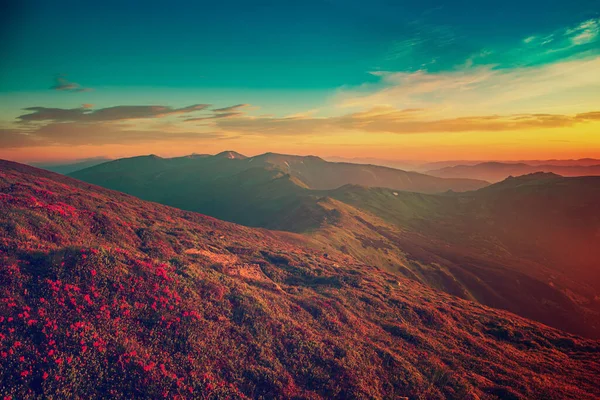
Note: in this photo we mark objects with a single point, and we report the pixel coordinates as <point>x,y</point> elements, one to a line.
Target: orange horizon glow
<point>472,146</point>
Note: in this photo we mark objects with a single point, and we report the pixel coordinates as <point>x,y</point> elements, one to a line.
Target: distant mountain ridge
<point>313,171</point>
<point>67,168</point>
<point>231,155</point>
<point>497,171</point>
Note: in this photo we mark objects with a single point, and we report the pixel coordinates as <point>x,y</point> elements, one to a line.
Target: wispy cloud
<point>16,138</point>
<point>77,134</point>
<point>585,32</point>
<point>45,126</point>
<point>61,83</point>
<point>222,113</point>
<point>484,89</point>
<point>216,116</point>
<point>230,108</point>
<point>564,40</point>
<point>421,45</point>
<point>116,113</point>
<point>591,116</point>
<point>385,119</point>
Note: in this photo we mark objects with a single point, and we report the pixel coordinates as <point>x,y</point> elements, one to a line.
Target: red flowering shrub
<point>89,309</point>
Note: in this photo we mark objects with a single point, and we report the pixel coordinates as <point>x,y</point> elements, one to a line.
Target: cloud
<point>71,131</point>
<point>62,84</point>
<point>14,138</point>
<point>589,116</point>
<point>422,44</point>
<point>77,134</point>
<point>216,116</point>
<point>136,112</point>
<point>483,89</point>
<point>390,120</point>
<point>537,40</point>
<point>116,113</point>
<point>53,114</point>
<point>570,39</point>
<point>543,48</point>
<point>48,126</point>
<point>585,32</point>
<point>230,108</point>
<point>221,113</point>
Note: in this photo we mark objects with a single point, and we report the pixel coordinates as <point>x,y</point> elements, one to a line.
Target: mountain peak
<point>270,155</point>
<point>314,158</point>
<point>535,176</point>
<point>533,179</point>
<point>232,155</point>
<point>197,155</point>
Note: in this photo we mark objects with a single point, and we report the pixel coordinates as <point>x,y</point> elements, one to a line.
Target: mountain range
<point>529,244</point>
<point>310,171</point>
<point>68,167</point>
<point>490,171</point>
<point>497,171</point>
<point>424,167</point>
<point>106,295</point>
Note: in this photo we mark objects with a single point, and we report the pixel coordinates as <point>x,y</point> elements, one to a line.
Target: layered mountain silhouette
<point>498,171</point>
<point>312,171</point>
<point>106,295</point>
<point>528,244</point>
<point>67,168</point>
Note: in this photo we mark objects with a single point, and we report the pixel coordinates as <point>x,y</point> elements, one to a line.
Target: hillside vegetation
<point>106,295</point>
<point>529,245</point>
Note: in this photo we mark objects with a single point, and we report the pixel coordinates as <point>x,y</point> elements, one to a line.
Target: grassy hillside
<point>528,244</point>
<point>105,295</point>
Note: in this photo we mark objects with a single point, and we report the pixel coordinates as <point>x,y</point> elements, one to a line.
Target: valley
<point>529,245</point>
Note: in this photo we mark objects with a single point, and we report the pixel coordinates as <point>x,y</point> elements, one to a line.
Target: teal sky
<point>308,45</point>
<point>282,57</point>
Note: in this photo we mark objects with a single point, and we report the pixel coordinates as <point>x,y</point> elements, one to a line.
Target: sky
<point>389,79</point>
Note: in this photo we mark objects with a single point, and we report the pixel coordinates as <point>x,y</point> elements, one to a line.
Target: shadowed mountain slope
<point>313,172</point>
<point>105,295</point>
<point>529,244</point>
<point>67,168</point>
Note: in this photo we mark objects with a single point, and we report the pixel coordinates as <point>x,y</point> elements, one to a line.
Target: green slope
<point>528,244</point>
